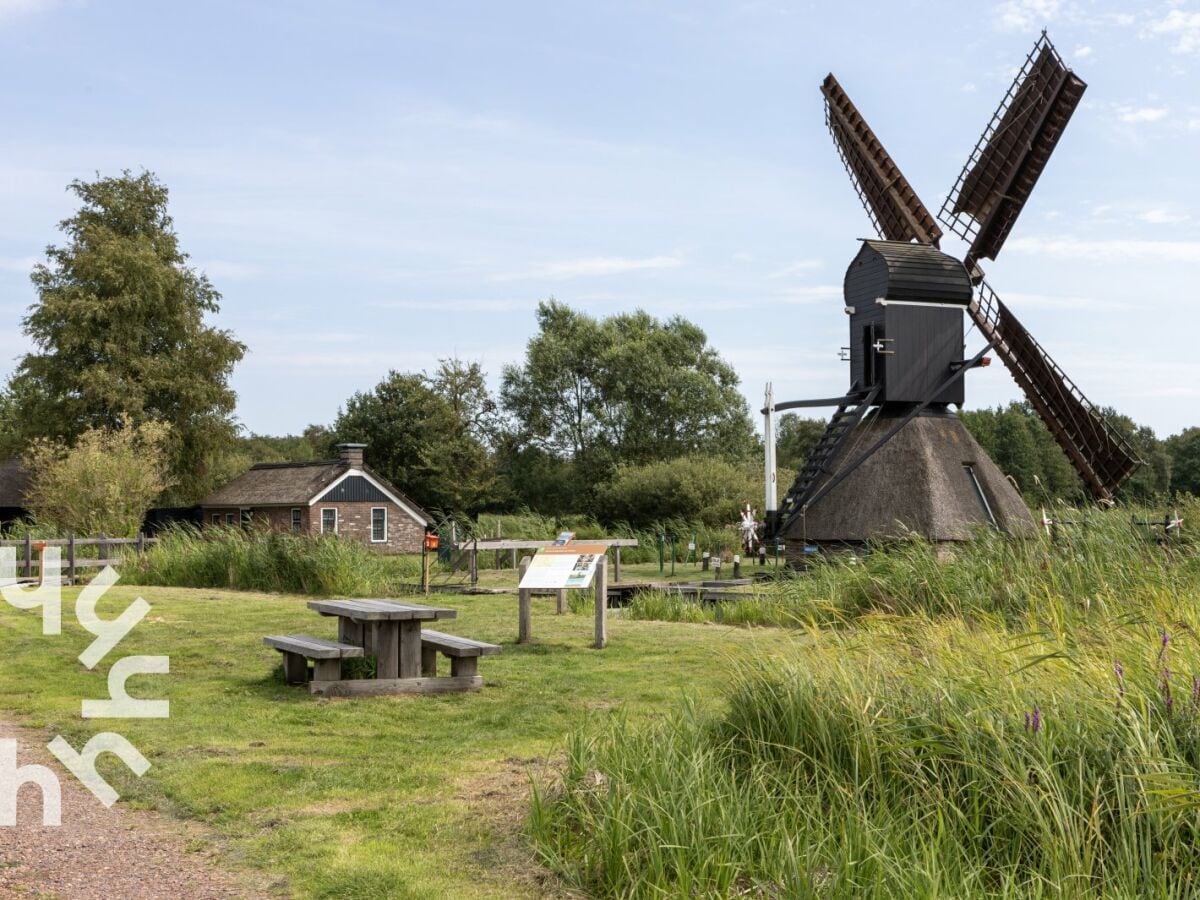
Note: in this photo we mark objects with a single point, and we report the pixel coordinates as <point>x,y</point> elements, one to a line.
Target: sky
<point>377,186</point>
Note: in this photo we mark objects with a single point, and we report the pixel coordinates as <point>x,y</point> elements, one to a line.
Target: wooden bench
<point>464,653</point>
<point>297,649</point>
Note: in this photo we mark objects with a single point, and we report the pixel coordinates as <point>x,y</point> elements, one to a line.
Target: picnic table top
<point>380,610</point>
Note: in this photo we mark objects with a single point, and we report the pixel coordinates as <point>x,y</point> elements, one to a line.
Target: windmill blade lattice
<point>1098,452</point>
<point>893,206</point>
<point>1010,156</point>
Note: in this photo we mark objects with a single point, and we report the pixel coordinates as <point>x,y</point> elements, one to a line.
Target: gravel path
<point>104,853</point>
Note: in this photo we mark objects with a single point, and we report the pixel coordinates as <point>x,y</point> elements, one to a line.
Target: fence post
<point>28,555</point>
<point>617,563</point>
<point>562,601</point>
<point>474,561</point>
<point>524,607</point>
<point>602,603</point>
<point>71,556</point>
<point>102,547</point>
<point>141,543</point>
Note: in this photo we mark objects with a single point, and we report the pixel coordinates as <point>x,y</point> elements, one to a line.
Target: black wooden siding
<point>924,340</point>
<point>354,489</point>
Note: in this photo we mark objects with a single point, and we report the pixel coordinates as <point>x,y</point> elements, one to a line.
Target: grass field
<point>376,797</point>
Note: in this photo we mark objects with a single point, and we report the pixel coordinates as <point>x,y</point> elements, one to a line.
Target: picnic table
<point>389,630</point>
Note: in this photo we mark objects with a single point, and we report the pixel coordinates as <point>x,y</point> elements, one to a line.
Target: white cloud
<point>969,88</point>
<point>591,266</point>
<point>11,8</point>
<point>226,269</point>
<point>815,293</point>
<point>797,268</point>
<point>1183,26</point>
<point>1193,124</point>
<point>1161,216</point>
<point>1020,301</point>
<point>1137,114</point>
<point>1082,52</point>
<point>22,265</point>
<point>474,306</point>
<point>1025,15</point>
<point>1119,250</point>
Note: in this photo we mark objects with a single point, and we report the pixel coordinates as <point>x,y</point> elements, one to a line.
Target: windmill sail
<point>1098,452</point>
<point>894,208</point>
<point>1010,156</point>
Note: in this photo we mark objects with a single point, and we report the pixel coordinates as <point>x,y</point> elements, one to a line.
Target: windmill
<point>894,457</point>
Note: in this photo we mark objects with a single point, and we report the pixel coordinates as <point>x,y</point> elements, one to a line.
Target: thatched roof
<point>294,484</point>
<point>14,483</point>
<point>277,484</point>
<point>915,482</point>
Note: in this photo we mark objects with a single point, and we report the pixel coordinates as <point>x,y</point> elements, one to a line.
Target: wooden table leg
<point>409,642</point>
<point>350,632</point>
<point>387,648</point>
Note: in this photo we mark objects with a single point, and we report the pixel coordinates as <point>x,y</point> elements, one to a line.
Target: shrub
<point>700,489</point>
<point>102,485</point>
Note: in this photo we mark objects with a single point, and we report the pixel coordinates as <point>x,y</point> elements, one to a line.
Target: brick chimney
<point>351,454</point>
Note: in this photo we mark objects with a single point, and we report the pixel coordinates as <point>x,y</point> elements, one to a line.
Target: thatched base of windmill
<point>919,482</point>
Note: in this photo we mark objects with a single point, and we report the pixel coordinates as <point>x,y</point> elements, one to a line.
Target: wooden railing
<point>28,561</point>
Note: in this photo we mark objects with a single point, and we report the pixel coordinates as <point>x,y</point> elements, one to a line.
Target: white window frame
<point>384,510</point>
<point>330,509</point>
<point>216,518</point>
<point>296,520</point>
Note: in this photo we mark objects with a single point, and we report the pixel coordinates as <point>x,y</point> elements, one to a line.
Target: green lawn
<point>373,797</point>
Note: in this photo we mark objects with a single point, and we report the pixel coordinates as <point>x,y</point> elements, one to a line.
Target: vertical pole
<point>474,562</point>
<point>562,601</point>
<point>673,555</point>
<point>704,562</point>
<point>602,603</point>
<point>71,556</point>
<point>497,553</point>
<point>771,497</point>
<point>524,608</point>
<point>28,556</point>
<point>737,566</point>
<point>103,547</point>
<point>141,543</point>
<point>662,539</point>
<point>424,566</point>
<point>617,563</point>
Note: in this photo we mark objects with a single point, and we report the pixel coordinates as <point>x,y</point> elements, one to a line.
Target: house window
<point>216,518</point>
<point>295,518</point>
<point>229,518</point>
<point>329,521</point>
<point>379,524</point>
<point>247,518</point>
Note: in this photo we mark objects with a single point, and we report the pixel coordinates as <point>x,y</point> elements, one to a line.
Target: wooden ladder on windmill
<point>817,466</point>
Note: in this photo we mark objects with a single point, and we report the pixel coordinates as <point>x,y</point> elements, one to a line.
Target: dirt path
<point>105,853</point>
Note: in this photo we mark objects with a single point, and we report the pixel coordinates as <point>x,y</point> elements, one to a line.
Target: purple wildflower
<point>1195,690</point>
<point>1165,687</point>
<point>1119,671</point>
<point>1033,722</point>
<point>1162,650</point>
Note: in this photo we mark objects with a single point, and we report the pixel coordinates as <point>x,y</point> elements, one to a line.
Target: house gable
<point>353,489</point>
<point>356,486</point>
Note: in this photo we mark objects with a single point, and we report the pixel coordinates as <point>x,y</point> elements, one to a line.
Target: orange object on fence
<point>431,542</point>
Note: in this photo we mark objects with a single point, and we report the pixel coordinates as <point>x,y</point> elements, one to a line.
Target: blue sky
<point>377,185</point>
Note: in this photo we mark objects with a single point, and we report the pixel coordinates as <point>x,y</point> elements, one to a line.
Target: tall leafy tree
<point>121,335</point>
<point>416,440</point>
<point>628,389</point>
<point>795,438</point>
<point>1184,449</point>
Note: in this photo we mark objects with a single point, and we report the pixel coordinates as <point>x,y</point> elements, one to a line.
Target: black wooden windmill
<point>894,457</point>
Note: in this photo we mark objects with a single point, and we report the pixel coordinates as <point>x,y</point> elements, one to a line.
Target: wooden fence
<point>28,561</point>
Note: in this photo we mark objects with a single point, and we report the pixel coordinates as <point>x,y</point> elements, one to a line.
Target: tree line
<point>627,418</point>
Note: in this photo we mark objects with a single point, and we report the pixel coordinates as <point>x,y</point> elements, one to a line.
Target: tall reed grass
<point>1023,720</point>
<point>265,560</point>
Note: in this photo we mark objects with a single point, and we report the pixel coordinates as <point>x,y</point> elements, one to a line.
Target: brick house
<point>341,496</point>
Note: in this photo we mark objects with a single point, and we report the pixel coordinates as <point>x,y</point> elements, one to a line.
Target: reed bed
<point>266,560</point>
<point>1020,721</point>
